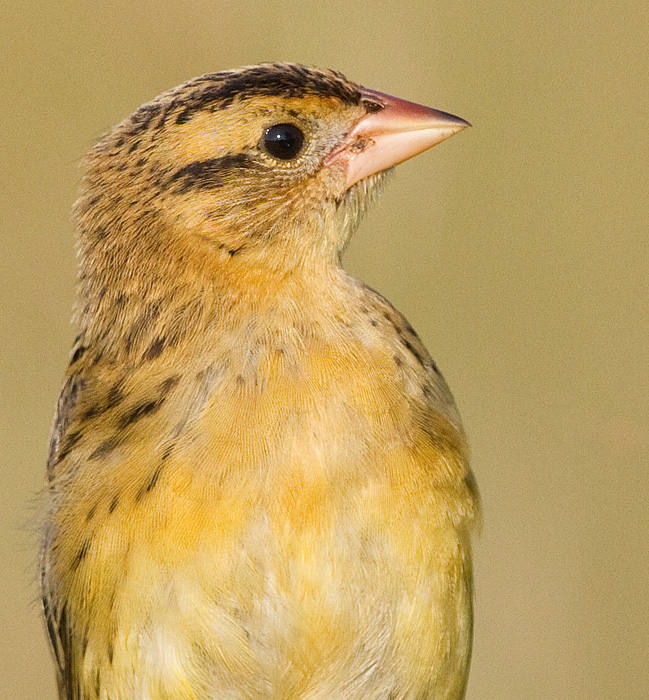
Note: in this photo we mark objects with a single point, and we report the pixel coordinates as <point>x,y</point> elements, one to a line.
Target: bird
<point>258,484</point>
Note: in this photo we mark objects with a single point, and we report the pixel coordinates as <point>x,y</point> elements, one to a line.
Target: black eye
<point>283,141</point>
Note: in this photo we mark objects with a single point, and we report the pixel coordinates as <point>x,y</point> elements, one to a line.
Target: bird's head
<point>262,168</point>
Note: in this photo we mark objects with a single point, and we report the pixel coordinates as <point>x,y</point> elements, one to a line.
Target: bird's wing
<point>59,627</point>
<point>60,633</point>
<point>61,443</point>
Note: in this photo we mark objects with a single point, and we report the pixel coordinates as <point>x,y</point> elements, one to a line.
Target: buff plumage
<point>258,481</point>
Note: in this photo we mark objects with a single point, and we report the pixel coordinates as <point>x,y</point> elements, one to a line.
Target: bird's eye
<point>283,141</point>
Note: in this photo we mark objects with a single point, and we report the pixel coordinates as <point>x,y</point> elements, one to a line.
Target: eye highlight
<point>283,141</point>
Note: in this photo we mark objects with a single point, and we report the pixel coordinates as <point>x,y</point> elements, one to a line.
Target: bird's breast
<point>290,527</point>
<point>307,446</point>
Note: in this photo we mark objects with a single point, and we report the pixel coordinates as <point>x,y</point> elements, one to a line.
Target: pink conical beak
<point>383,138</point>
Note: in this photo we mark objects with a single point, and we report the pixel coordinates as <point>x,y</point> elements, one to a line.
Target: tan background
<point>517,249</point>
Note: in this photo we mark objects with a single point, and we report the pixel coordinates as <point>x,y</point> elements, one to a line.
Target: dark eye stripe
<point>210,174</point>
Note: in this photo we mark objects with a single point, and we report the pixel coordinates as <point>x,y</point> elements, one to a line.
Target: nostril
<point>359,145</point>
<point>372,105</point>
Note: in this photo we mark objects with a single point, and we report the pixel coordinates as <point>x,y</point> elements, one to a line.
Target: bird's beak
<point>395,131</point>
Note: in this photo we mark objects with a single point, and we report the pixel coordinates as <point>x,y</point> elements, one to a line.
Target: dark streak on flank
<point>91,513</point>
<point>104,448</point>
<point>81,555</point>
<point>110,651</point>
<point>210,174</point>
<point>69,443</point>
<point>113,398</point>
<point>154,480</point>
<point>140,411</point>
<point>150,485</point>
<point>148,408</point>
<point>114,503</point>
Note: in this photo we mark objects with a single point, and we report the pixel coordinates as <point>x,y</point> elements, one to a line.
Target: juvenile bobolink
<point>258,484</point>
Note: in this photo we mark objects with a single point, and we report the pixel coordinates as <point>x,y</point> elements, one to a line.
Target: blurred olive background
<point>517,249</point>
